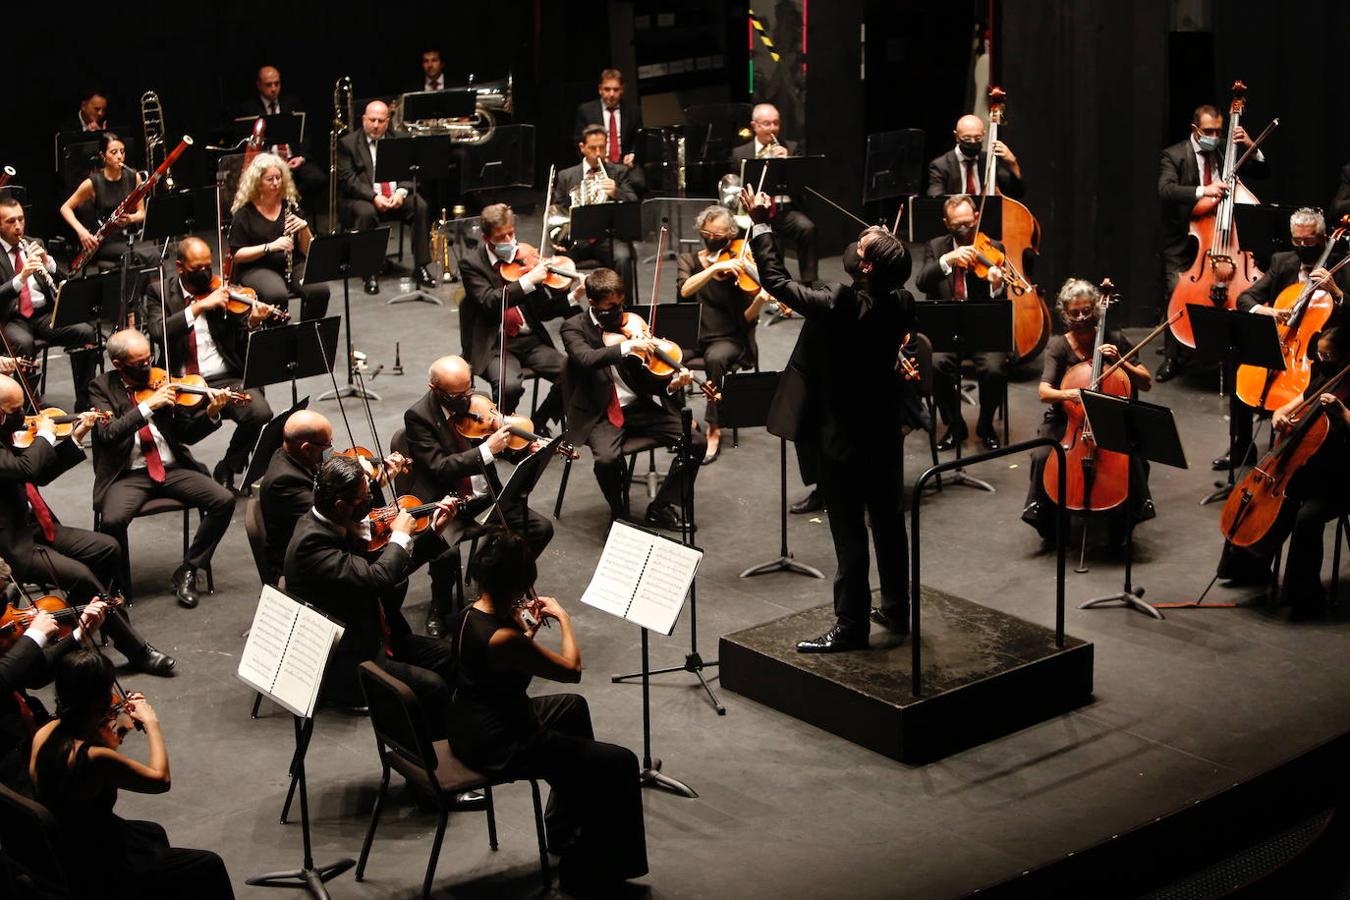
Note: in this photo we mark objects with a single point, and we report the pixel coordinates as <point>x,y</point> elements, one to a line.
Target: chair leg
<point>491,818</point>
<point>545,870</point>
<point>257,704</point>
<point>562,489</point>
<point>1342,525</point>
<point>435,853</point>
<point>652,477</point>
<point>374,821</point>
<point>534,398</point>
<point>187,531</point>
<point>1003,413</point>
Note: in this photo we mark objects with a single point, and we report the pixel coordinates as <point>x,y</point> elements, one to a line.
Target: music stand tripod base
<point>416,296</point>
<point>350,390</point>
<point>310,880</point>
<point>651,776</point>
<point>783,564</point>
<point>1134,599</point>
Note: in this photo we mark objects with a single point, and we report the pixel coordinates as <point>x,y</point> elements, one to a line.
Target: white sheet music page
<point>287,651</point>
<point>267,640</point>
<point>642,578</point>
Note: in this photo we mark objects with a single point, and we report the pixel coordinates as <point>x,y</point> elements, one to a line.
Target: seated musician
<point>727,314</point>
<point>363,203</point>
<point>269,238</point>
<point>613,397</point>
<point>622,121</point>
<point>530,304</point>
<point>594,817</point>
<point>1317,493</point>
<point>789,222</point>
<point>962,169</point>
<point>596,180</point>
<point>1077,302</point>
<point>26,663</point>
<point>142,453</point>
<point>41,549</point>
<point>270,100</point>
<point>77,772</point>
<point>1340,206</point>
<point>202,338</point>
<point>97,197</point>
<point>1308,233</point>
<point>445,462</point>
<point>92,114</point>
<point>25,308</point>
<point>946,274</point>
<point>433,72</point>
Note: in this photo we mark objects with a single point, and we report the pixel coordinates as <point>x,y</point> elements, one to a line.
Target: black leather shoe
<point>1225,462</point>
<point>837,640</point>
<point>424,278</point>
<point>185,586</point>
<point>949,441</point>
<point>154,662</point>
<point>663,517</point>
<point>989,442</point>
<point>893,626</point>
<point>224,476</point>
<point>435,625</point>
<point>1170,368</point>
<point>372,285</point>
<point>808,504</point>
<point>470,800</point>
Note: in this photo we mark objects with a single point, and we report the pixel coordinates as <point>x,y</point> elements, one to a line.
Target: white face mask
<point>505,252</point>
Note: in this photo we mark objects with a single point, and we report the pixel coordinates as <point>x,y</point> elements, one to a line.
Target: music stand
<point>610,222</point>
<point>346,255</point>
<point>177,214</point>
<point>787,175</point>
<point>1233,338</point>
<point>521,482</point>
<point>746,398</point>
<point>450,103</point>
<point>894,164</point>
<point>83,300</point>
<point>401,159</point>
<point>505,161</point>
<point>1134,428</point>
<point>961,327</point>
<point>925,219</point>
<point>291,352</point>
<point>284,128</point>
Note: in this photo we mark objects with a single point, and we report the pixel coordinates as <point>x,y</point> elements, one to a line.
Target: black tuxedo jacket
<point>747,150</point>
<point>1282,272</point>
<point>286,494</point>
<point>947,176</point>
<point>441,458</point>
<point>1178,177</point>
<point>40,463</point>
<point>9,298</point>
<point>230,333</point>
<point>26,665</point>
<point>569,178</point>
<point>355,170</point>
<point>838,393</point>
<point>480,313</point>
<point>1341,205</point>
<point>340,577</point>
<point>592,112</point>
<point>180,425</point>
<point>937,286</point>
<point>288,103</point>
<point>589,383</point>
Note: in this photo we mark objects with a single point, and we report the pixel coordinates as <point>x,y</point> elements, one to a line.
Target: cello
<point>1021,243</point>
<point>1221,269</point>
<point>1310,308</point>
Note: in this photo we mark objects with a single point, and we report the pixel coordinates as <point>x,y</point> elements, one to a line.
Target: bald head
<point>375,120</point>
<point>969,128</point>
<point>11,395</point>
<point>269,82</point>
<point>450,375</point>
<point>306,436</point>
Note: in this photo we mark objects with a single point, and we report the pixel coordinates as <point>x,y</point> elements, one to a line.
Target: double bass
<point>1021,244</point>
<point>1222,269</point>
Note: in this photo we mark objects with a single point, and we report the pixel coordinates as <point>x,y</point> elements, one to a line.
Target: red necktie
<point>25,714</point>
<point>970,177</point>
<point>513,321</point>
<point>190,366</point>
<point>614,412</point>
<point>1209,175</point>
<point>41,511</point>
<point>613,136</point>
<point>154,463</point>
<point>25,295</point>
<point>958,283</point>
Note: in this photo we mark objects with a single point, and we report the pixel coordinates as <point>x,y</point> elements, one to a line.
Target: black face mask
<point>969,149</point>
<point>1309,255</point>
<point>197,280</point>
<point>136,375</point>
<point>610,319</point>
<point>715,245</point>
<point>964,234</point>
<point>456,403</point>
<point>12,422</point>
<point>853,263</point>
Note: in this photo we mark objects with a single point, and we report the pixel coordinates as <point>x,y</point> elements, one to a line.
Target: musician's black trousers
<point>642,418</point>
<point>528,351</point>
<point>196,489</point>
<point>249,420</point>
<point>363,216</point>
<point>22,334</point>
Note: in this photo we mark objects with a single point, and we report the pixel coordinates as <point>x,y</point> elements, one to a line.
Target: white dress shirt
<point>34,286</point>
<point>137,454</point>
<point>209,361</point>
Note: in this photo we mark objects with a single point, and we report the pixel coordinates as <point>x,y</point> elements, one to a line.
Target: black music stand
<point>83,300</point>
<point>787,176</point>
<point>966,326</point>
<point>746,398</point>
<point>449,103</point>
<point>291,352</point>
<point>894,164</point>
<point>278,128</point>
<point>1137,429</point>
<point>520,484</point>
<point>505,161</point>
<point>610,222</point>
<point>400,159</point>
<point>1234,339</point>
<point>346,255</point>
<point>925,219</point>
<point>177,214</point>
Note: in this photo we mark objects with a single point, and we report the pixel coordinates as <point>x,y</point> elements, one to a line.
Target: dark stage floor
<point>1182,707</point>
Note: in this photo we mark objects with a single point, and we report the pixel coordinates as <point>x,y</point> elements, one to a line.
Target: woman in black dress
<point>728,314</point>
<point>1077,302</point>
<point>594,817</point>
<point>99,194</point>
<point>269,238</point>
<point>77,772</point>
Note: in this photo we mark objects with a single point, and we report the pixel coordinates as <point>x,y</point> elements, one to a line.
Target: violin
<point>662,362</point>
<point>987,257</point>
<point>64,423</point>
<point>382,518</point>
<point>748,278</point>
<point>482,418</point>
<point>561,270</point>
<point>242,301</point>
<point>395,464</point>
<point>191,389</point>
<point>15,620</point>
<point>904,364</point>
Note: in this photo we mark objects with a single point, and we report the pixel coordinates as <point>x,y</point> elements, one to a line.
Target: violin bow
<point>841,209</point>
<point>337,391</point>
<point>1135,350</point>
<point>656,276</point>
<point>21,379</point>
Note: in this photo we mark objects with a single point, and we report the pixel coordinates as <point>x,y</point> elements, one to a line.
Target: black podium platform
<point>985,673</point>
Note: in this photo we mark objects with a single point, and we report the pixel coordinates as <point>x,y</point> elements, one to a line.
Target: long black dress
<point>595,806</point>
<point>107,195</point>
<point>267,274</point>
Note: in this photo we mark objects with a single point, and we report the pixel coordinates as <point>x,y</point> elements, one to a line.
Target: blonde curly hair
<point>252,176</point>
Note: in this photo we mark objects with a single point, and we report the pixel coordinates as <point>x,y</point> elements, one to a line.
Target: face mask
<point>198,280</point>
<point>610,319</point>
<point>326,454</point>
<point>505,252</point>
<point>12,422</point>
<point>853,262</point>
<point>964,234</point>
<point>1080,324</point>
<point>1309,255</point>
<point>138,375</point>
<point>1208,142</point>
<point>715,245</point>
<point>969,149</point>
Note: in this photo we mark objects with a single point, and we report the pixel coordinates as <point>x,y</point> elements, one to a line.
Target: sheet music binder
<point>621,585</point>
<point>287,671</point>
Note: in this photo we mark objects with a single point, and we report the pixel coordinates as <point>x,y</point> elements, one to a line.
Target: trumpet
<point>152,123</point>
<point>440,243</point>
<point>342,102</point>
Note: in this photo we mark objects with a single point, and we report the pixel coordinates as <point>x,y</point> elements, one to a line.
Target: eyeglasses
<point>1306,241</point>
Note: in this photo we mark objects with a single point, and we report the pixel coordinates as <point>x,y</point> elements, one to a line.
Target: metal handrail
<point>1061,529</point>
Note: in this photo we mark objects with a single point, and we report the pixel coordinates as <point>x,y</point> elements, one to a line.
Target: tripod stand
<point>347,255</point>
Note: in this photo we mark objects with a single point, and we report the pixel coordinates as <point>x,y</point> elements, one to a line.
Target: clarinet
<point>43,276</point>
<point>290,254</point>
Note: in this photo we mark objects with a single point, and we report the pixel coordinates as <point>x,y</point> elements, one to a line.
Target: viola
<point>482,418</point>
<point>561,270</point>
<point>242,301</point>
<point>664,361</point>
<point>904,364</point>
<point>382,518</point>
<point>191,389</point>
<point>988,256</point>
<point>64,424</point>
<point>748,278</point>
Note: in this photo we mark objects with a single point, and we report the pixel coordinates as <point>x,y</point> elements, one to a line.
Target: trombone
<point>152,123</point>
<point>342,104</point>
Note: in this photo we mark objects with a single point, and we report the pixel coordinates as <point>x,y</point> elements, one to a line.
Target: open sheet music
<point>287,650</point>
<point>642,577</point>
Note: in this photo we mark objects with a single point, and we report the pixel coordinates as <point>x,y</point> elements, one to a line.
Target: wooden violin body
<point>191,389</point>
<point>15,620</point>
<point>561,270</point>
<point>382,518</point>
<point>664,361</point>
<point>483,418</point>
<point>64,423</point>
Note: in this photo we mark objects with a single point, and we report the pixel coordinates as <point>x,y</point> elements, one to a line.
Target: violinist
<point>612,397</point>
<point>946,274</point>
<point>1317,493</point>
<point>962,169</point>
<point>98,196</point>
<point>1078,308</point>
<point>597,180</point>
<point>1187,172</point>
<point>727,313</point>
<point>25,308</point>
<point>202,338</point>
<point>269,238</point>
<point>789,221</point>
<point>142,453</point>
<point>529,304</point>
<point>77,771</point>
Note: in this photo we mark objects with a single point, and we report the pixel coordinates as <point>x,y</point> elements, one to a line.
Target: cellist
<point>1078,307</point>
<point>1318,492</point>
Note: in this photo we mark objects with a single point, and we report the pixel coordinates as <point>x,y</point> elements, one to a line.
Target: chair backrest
<point>29,837</point>
<point>256,529</point>
<point>398,443</point>
<point>396,716</point>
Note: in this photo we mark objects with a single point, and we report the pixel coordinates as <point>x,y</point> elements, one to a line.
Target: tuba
<point>152,123</point>
<point>491,99</point>
<point>342,106</point>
